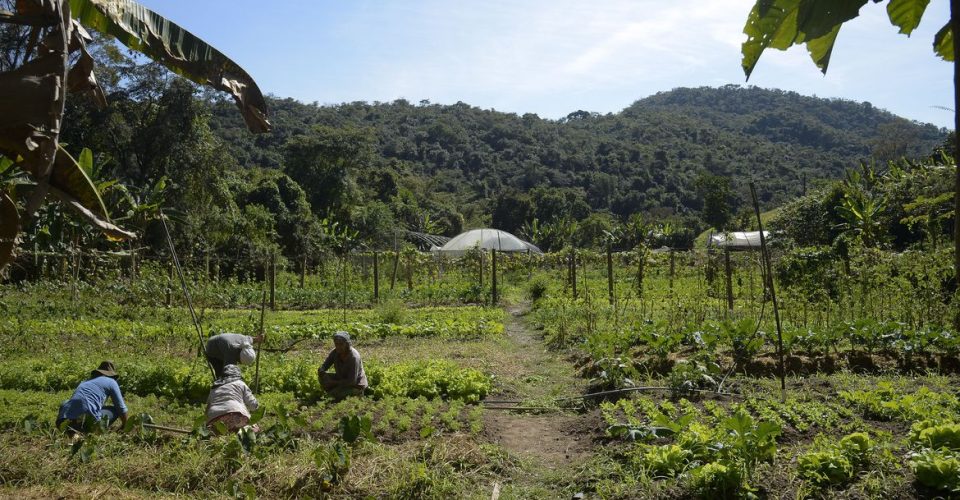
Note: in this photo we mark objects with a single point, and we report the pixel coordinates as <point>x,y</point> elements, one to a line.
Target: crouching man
<point>348,378</point>
<point>85,408</point>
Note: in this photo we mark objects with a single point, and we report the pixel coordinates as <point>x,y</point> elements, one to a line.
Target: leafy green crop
<point>837,462</point>
<point>936,435</point>
<point>937,469</point>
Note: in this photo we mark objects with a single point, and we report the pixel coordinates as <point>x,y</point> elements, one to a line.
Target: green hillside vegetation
<point>338,177</point>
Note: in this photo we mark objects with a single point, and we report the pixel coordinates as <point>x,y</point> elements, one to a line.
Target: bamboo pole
<point>376,277</point>
<point>493,275</point>
<point>773,293</point>
<point>263,312</point>
<point>183,284</point>
<point>273,281</point>
<point>168,429</point>
<point>610,273</point>
<point>728,269</point>
<point>573,270</point>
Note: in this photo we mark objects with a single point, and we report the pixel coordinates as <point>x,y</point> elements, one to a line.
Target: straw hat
<point>106,368</point>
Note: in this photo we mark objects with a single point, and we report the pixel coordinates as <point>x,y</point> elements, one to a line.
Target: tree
<point>511,210</point>
<point>34,92</point>
<point>815,23</point>
<point>714,192</point>
<point>325,161</point>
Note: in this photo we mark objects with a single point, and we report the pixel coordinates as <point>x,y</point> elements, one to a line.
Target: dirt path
<point>549,439</point>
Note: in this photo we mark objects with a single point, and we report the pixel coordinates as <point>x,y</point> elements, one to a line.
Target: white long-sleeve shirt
<point>231,397</point>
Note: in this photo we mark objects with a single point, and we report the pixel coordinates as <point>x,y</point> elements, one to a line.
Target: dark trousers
<point>87,422</point>
<point>217,365</point>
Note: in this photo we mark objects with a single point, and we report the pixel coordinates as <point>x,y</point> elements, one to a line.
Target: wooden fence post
<point>573,270</point>
<point>610,273</point>
<point>493,275</point>
<point>396,266</point>
<point>729,272</point>
<point>170,284</point>
<point>481,269</point>
<point>273,282</point>
<point>376,277</point>
<point>409,267</point>
<point>773,294</point>
<point>303,270</point>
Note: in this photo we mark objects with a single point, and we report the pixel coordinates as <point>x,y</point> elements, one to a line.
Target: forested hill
<point>646,158</point>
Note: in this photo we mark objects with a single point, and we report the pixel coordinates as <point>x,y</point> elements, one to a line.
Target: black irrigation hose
<point>596,394</point>
<point>645,388</point>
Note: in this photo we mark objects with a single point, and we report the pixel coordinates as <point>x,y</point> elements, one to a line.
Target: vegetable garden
<point>691,405</point>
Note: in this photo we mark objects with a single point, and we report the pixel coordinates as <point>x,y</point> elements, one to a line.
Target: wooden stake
<point>773,293</point>
<point>263,339</point>
<point>493,275</point>
<point>376,277</point>
<point>610,273</point>
<point>573,270</point>
<point>273,282</point>
<point>303,270</point>
<point>729,272</point>
<point>396,266</point>
<point>168,429</point>
<point>186,291</point>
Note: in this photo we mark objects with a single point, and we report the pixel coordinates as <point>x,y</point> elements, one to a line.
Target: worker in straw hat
<point>348,378</point>
<point>86,407</point>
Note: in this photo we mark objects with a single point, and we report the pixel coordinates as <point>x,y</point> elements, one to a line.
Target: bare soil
<point>552,438</point>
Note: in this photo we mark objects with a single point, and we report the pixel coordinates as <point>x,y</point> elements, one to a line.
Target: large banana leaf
<point>176,48</point>
<point>780,24</point>
<point>69,177</point>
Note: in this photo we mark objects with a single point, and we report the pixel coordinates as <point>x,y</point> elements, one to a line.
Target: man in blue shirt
<point>86,407</point>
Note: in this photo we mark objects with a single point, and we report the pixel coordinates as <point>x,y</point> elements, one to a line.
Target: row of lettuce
<point>603,331</point>
<point>281,327</point>
<point>184,380</point>
<point>714,449</point>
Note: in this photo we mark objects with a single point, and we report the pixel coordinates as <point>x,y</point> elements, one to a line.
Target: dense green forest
<point>349,175</point>
<point>647,158</point>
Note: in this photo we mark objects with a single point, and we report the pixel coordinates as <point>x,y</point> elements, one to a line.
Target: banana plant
<point>781,24</point>
<point>32,96</point>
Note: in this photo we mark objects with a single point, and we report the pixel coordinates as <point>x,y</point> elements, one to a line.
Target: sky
<point>554,57</point>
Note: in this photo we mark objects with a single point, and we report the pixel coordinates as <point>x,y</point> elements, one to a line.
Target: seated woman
<point>348,378</point>
<point>230,400</point>
<point>86,407</point>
